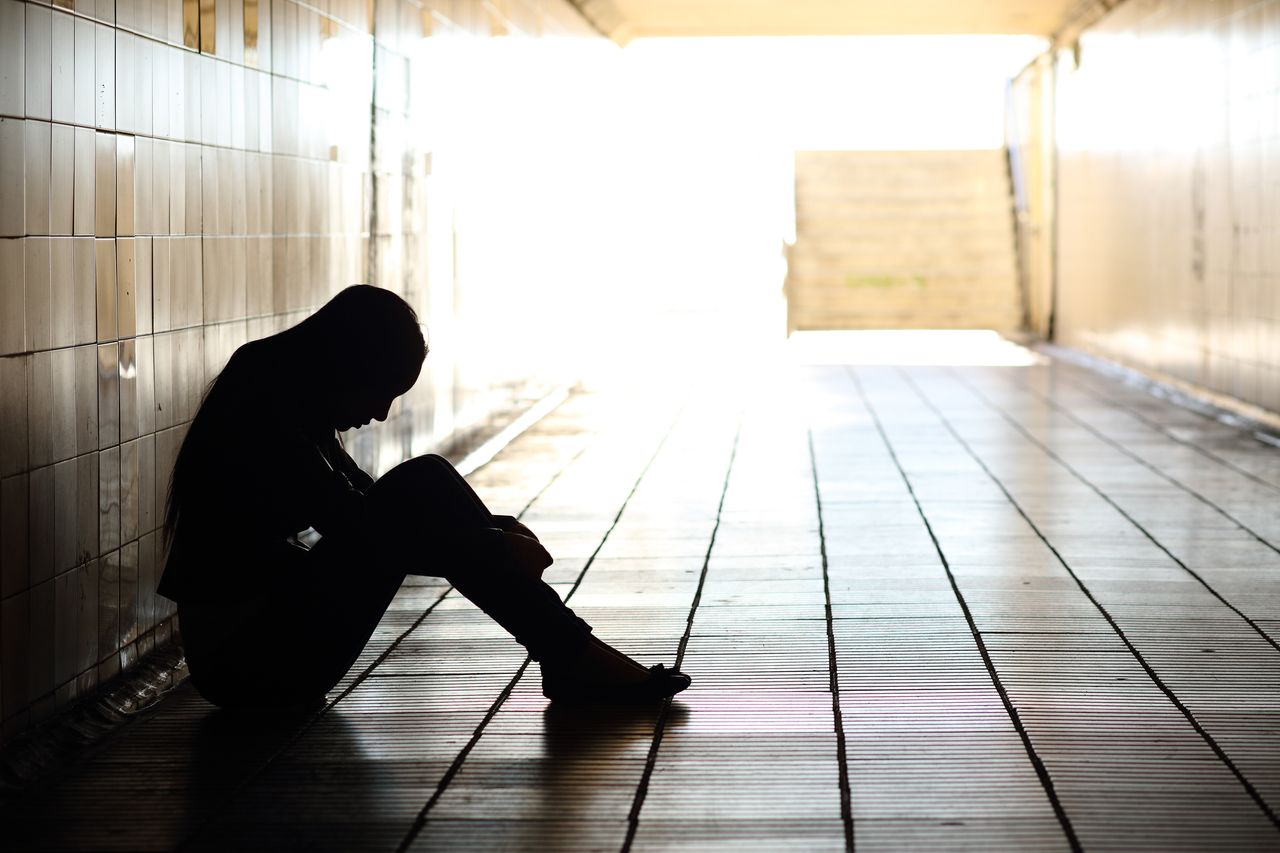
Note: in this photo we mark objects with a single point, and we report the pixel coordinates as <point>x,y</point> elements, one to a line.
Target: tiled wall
<point>1029,139</point>
<point>177,178</point>
<point>1169,193</point>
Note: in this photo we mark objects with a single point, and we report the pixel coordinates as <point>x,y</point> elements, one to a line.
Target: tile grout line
<point>659,727</point>
<point>1079,476</point>
<point>1046,781</point>
<point>1084,388</point>
<point>842,751</point>
<point>1137,655</point>
<point>420,821</point>
<point>1135,457</point>
<point>359,679</point>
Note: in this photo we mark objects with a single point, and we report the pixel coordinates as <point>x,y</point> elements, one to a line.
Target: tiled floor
<point>974,608</point>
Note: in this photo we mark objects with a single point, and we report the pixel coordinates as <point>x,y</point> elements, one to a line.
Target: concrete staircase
<point>902,239</point>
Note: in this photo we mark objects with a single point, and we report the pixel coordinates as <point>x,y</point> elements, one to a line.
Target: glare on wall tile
<point>39,62</point>
<point>159,78</point>
<point>84,195</point>
<point>143,172</point>
<point>105,287</point>
<point>207,104</point>
<point>84,264</point>
<point>39,174</point>
<point>85,65</point>
<point>145,366</point>
<point>105,184</point>
<point>12,177</point>
<point>128,391</point>
<point>160,177</point>
<point>108,396</point>
<point>224,128</point>
<point>191,191</point>
<point>62,184</point>
<point>104,77</point>
<point>190,97</point>
<point>126,74</point>
<point>143,88</point>
<point>143,260</point>
<point>160,284</point>
<point>126,310</point>
<point>175,82</point>
<point>13,59</point>
<point>125,165</point>
<point>64,67</point>
<point>177,188</point>
<point>209,172</point>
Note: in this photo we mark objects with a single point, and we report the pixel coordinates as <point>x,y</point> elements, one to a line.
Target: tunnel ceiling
<point>626,19</point>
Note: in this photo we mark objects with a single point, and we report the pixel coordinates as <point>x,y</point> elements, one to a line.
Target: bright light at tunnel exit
<point>633,203</point>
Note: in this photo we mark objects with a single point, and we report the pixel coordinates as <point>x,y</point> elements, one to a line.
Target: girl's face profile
<point>360,398</point>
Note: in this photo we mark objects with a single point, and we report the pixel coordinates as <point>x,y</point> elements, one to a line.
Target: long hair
<point>372,328</point>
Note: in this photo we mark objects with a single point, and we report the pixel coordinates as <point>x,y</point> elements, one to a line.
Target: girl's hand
<point>522,530</point>
<point>527,553</point>
<point>508,524</point>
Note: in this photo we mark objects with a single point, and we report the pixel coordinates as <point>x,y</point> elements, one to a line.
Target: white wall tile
<point>13,177</point>
<point>39,62</point>
<point>62,182</point>
<point>13,60</point>
<point>39,175</point>
<point>64,67</point>
<point>85,65</point>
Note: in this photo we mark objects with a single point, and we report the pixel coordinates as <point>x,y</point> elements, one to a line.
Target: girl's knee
<point>429,467</point>
<point>425,482</point>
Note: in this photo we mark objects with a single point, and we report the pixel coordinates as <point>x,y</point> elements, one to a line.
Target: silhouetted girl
<point>268,622</point>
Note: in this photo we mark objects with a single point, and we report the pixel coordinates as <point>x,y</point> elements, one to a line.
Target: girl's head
<point>367,348</point>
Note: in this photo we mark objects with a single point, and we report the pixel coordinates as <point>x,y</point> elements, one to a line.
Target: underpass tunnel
<point>587,196</point>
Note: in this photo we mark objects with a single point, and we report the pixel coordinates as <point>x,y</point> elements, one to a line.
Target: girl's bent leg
<point>435,524</point>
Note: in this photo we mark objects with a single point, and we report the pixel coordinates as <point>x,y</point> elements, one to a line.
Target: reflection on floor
<point>977,607</point>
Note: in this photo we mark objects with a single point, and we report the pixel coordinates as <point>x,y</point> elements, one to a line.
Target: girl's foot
<point>602,674</point>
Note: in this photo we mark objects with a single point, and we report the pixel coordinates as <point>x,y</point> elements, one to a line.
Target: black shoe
<point>660,684</point>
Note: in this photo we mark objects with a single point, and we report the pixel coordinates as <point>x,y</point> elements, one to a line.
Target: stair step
<point>909,239</point>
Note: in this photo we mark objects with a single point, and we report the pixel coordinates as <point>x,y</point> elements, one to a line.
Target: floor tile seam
<point>1041,770</point>
<point>651,760</point>
<point>455,766</point>
<point>1152,467</point>
<point>1105,497</point>
<point>1085,388</point>
<point>1209,740</point>
<point>360,679</point>
<point>842,751</point>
